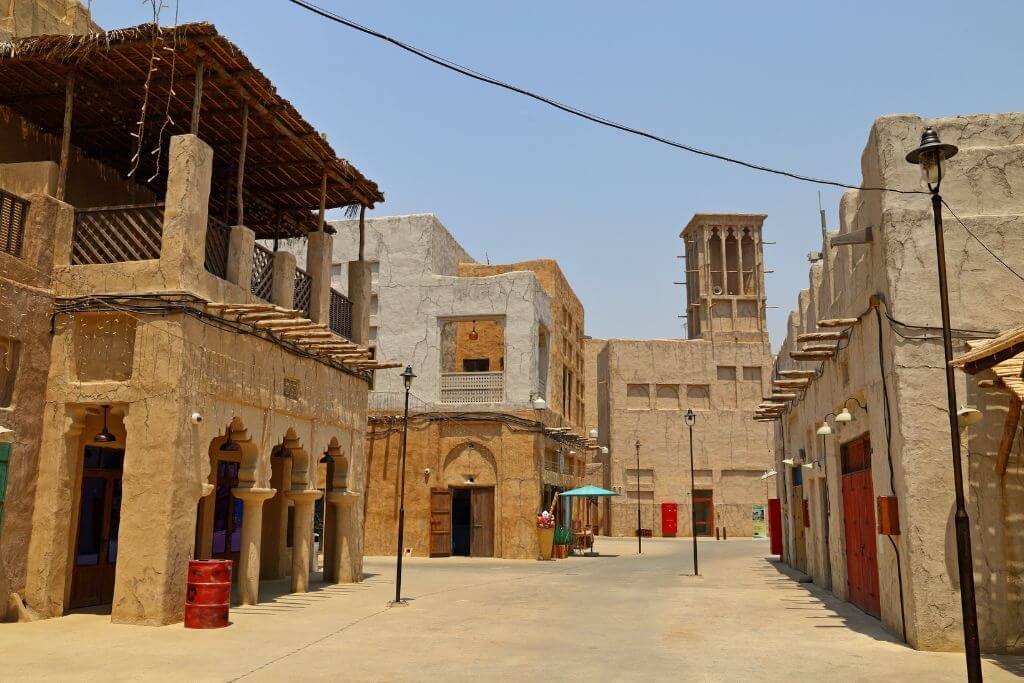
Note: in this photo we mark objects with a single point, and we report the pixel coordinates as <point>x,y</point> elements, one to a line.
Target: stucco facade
<point>885,367</point>
<point>643,388</point>
<point>485,341</point>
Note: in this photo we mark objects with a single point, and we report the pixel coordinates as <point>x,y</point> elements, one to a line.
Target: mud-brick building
<point>497,405</point>
<point>861,424</point>
<point>644,387</point>
<point>169,386</point>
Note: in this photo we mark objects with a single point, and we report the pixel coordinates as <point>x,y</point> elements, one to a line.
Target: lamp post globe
<point>930,156</point>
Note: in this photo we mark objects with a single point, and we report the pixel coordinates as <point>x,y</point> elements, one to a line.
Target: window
<point>5,458</point>
<point>698,396</point>
<point>726,373</point>
<point>638,397</point>
<point>476,364</point>
<point>667,396</point>
<point>9,350</point>
<point>374,305</point>
<point>752,374</point>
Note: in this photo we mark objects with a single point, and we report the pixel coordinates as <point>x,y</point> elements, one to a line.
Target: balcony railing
<point>303,290</point>
<point>115,234</point>
<point>472,387</point>
<point>262,272</point>
<point>13,210</point>
<point>218,238</point>
<point>341,314</point>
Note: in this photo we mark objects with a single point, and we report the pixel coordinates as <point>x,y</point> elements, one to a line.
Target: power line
<point>978,240</point>
<point>575,111</point>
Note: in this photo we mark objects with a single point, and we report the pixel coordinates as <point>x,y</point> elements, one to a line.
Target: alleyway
<point>615,617</point>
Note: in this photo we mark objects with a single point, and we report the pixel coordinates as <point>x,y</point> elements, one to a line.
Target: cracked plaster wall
<point>22,18</point>
<point>984,184</point>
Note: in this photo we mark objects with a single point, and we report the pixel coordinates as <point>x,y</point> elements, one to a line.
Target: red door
<point>669,520</point>
<point>775,525</point>
<point>859,524</point>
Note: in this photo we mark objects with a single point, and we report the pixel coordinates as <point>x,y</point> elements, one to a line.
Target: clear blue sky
<point>791,84</point>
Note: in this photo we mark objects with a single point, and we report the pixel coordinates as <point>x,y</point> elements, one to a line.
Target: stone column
<point>183,246</point>
<point>359,292</point>
<point>302,536</point>
<point>282,291</point>
<point>248,569</point>
<point>320,246</point>
<point>240,248</point>
<point>339,566</point>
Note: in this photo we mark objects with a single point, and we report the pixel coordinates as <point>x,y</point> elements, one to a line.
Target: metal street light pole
<point>930,156</point>
<point>691,418</point>
<point>407,377</point>
<point>639,534</point>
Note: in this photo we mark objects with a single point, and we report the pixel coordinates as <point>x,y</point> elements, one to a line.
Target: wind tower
<point>725,299</point>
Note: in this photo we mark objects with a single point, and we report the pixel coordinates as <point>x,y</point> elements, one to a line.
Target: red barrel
<point>208,597</point>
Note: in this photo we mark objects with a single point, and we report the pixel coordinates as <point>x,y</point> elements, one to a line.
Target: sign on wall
<point>757,516</point>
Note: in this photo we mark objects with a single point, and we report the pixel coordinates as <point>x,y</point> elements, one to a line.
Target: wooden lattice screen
<point>12,222</point>
<point>114,234</point>
<point>303,290</point>
<point>472,387</point>
<point>262,272</point>
<point>341,314</point>
<point>218,236</point>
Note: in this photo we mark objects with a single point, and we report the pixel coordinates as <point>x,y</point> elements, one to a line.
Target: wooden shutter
<point>440,523</point>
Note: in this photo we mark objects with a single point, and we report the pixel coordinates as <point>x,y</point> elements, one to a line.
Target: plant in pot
<point>563,541</point>
<point>545,534</point>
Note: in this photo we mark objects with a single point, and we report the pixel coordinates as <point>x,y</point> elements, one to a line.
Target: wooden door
<point>799,527</point>
<point>440,523</point>
<point>704,512</point>
<point>92,578</point>
<point>481,540</point>
<point>859,525</point>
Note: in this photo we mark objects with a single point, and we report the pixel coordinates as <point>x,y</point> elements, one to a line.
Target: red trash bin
<point>208,596</point>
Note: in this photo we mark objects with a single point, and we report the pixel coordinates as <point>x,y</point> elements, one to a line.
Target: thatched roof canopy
<point>120,74</point>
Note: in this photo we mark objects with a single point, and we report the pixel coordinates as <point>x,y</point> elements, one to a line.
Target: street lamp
<point>639,531</point>
<point>407,377</point>
<point>824,431</point>
<point>930,157</point>
<point>691,418</point>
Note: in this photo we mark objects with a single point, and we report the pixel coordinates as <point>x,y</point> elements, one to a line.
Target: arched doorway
<point>463,514</point>
<point>220,515</point>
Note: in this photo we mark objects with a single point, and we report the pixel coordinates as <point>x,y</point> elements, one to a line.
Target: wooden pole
<point>197,98</point>
<point>323,200</point>
<point>362,230</point>
<point>241,163</point>
<point>277,229</point>
<point>65,142</point>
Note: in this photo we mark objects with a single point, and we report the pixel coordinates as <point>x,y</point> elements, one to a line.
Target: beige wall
<point>985,186</point>
<point>21,18</point>
<point>730,452</point>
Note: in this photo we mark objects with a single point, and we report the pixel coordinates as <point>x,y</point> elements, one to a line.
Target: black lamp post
<point>639,530</point>
<point>691,419</point>
<point>930,157</point>
<point>407,377</point>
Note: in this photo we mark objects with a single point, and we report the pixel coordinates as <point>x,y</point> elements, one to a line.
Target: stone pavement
<point>614,617</point>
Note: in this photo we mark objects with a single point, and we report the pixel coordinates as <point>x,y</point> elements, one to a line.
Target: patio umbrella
<point>588,491</point>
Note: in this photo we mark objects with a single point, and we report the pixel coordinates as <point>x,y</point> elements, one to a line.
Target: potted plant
<point>545,534</point>
<point>563,541</point>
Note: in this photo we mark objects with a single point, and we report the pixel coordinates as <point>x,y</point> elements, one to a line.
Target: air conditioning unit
<point>716,290</point>
<point>813,256</point>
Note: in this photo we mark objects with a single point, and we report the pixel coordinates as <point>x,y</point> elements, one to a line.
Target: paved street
<point>614,617</point>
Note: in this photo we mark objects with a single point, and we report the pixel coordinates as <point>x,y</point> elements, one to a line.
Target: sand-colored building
<point>867,507</point>
<point>486,342</point>
<point>168,386</point>
<point>643,387</point>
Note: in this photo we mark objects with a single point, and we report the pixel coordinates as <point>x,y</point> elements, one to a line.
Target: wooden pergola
<point>119,96</point>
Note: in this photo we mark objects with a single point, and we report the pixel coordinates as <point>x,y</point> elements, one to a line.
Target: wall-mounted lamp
<point>966,416</point>
<point>604,450</point>
<point>538,402</point>
<point>845,415</point>
<point>593,433</point>
<point>473,334</point>
<point>824,429</point>
<point>789,461</point>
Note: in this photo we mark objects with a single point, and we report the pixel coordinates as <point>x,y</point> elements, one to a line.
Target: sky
<point>789,84</point>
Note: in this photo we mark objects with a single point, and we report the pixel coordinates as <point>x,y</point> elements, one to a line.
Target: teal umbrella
<point>588,491</point>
